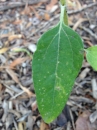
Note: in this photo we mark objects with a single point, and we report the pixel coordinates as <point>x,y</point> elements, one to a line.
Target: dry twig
<point>19,4</point>
<point>82,9</point>
<point>88,31</point>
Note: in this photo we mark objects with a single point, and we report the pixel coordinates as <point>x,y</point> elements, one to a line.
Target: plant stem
<point>63,3</point>
<point>23,50</point>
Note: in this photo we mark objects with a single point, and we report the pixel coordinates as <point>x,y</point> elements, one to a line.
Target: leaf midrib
<point>60,29</point>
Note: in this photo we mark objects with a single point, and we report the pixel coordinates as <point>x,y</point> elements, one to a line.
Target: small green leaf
<point>91,55</point>
<point>55,65</point>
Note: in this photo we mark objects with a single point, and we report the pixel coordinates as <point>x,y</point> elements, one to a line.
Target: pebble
<point>92,26</point>
<point>38,123</point>
<point>32,47</point>
<point>54,8</point>
<point>24,65</point>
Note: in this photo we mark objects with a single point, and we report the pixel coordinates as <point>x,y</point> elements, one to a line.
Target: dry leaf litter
<point>21,24</point>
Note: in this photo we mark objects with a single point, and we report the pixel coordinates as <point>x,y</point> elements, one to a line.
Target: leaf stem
<point>23,50</point>
<point>63,2</point>
<point>65,17</point>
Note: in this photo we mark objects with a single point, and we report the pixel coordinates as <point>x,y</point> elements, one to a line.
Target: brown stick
<point>19,4</point>
<point>88,31</point>
<point>82,9</point>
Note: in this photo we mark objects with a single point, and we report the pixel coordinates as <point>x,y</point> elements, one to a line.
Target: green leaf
<point>55,65</point>
<point>91,55</point>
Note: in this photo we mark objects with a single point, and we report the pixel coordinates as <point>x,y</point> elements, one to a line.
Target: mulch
<point>21,24</point>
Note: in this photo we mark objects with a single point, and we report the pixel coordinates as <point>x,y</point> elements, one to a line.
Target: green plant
<point>56,64</point>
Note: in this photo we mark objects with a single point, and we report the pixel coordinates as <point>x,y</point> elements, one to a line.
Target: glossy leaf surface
<point>91,55</point>
<point>56,64</point>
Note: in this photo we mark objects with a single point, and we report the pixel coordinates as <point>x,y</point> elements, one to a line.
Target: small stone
<point>54,8</point>
<point>24,65</point>
<point>38,123</point>
<point>92,26</point>
<point>32,47</point>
